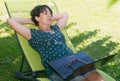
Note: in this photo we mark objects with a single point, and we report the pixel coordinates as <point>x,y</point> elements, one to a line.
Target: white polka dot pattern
<point>49,46</point>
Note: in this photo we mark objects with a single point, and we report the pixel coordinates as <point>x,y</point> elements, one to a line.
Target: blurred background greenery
<point>93,27</point>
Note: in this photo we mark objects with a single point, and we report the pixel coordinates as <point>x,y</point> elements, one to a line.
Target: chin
<point>49,23</point>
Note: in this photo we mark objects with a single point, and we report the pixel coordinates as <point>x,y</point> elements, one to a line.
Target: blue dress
<point>49,46</point>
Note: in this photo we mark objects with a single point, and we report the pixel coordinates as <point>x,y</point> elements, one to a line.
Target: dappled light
<point>16,60</point>
<point>5,30</point>
<point>90,42</point>
<point>93,27</point>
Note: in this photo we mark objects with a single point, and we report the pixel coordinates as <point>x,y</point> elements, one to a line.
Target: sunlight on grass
<point>5,31</point>
<point>111,63</point>
<point>16,60</point>
<point>92,27</point>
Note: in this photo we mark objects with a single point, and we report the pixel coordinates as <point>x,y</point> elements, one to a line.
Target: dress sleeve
<point>33,34</point>
<point>33,39</point>
<point>56,27</point>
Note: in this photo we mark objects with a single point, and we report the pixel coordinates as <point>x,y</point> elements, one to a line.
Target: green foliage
<point>111,3</point>
<point>10,53</point>
<point>90,29</point>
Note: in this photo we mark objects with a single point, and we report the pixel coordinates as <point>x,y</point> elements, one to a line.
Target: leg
<point>55,77</point>
<point>78,78</point>
<point>89,76</point>
<point>93,76</point>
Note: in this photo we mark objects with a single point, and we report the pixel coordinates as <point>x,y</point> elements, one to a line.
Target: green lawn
<point>92,28</point>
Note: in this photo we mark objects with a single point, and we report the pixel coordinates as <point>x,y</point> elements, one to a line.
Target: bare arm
<point>61,19</point>
<point>18,25</point>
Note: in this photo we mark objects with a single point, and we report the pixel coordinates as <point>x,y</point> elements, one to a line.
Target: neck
<point>45,28</point>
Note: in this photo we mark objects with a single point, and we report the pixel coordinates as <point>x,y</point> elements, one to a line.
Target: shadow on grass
<point>10,53</point>
<point>114,68</point>
<point>83,36</point>
<point>70,25</point>
<point>100,48</point>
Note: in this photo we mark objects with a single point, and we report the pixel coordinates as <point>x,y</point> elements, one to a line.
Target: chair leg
<point>21,67</point>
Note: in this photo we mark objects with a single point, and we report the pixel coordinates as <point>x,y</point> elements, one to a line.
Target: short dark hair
<point>36,12</point>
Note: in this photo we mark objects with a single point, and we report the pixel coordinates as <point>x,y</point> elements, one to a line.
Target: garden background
<point>93,27</point>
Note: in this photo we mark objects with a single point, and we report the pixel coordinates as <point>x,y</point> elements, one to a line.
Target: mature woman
<point>48,41</point>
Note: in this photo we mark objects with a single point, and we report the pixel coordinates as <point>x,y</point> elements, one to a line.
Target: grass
<point>10,54</point>
<point>92,28</point>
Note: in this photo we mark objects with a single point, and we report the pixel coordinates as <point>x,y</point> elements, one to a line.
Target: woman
<point>48,41</point>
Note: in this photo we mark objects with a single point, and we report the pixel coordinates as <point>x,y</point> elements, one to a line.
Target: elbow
<point>8,20</point>
<point>65,14</point>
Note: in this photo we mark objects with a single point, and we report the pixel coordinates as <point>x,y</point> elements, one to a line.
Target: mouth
<point>49,20</point>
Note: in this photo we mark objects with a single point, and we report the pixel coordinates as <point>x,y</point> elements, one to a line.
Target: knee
<point>95,76</point>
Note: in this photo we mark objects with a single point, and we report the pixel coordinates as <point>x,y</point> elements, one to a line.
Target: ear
<point>36,18</point>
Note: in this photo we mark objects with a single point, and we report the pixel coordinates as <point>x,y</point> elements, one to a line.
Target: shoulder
<point>35,33</point>
<point>56,27</point>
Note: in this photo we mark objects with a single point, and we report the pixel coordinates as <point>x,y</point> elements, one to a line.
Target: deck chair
<point>36,71</point>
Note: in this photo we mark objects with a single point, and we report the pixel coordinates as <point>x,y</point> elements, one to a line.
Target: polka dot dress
<point>49,46</point>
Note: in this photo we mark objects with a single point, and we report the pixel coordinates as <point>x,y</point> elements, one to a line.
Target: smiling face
<point>40,13</point>
<point>45,17</point>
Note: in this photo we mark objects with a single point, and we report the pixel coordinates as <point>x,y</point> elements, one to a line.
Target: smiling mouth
<point>49,19</point>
